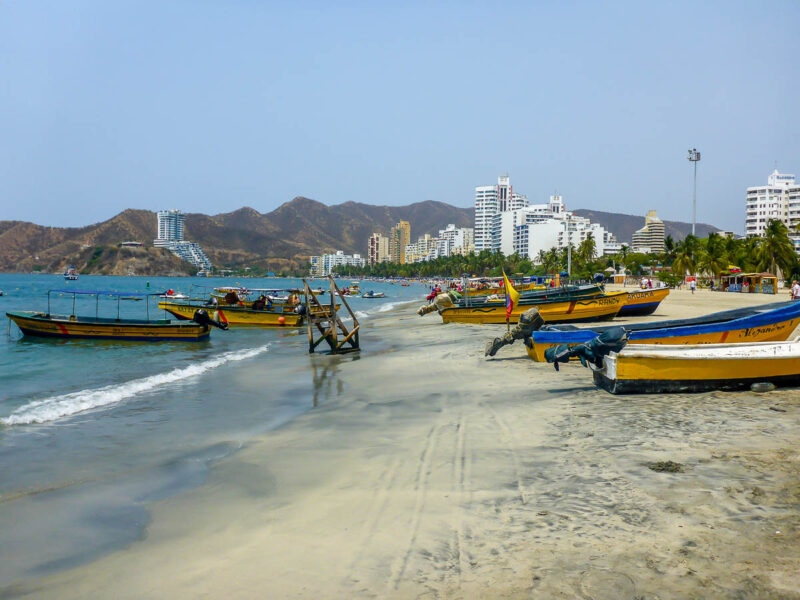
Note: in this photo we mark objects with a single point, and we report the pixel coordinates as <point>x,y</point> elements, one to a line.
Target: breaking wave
<point>66,405</point>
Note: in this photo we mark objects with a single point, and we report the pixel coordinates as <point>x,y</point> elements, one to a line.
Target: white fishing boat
<point>70,274</point>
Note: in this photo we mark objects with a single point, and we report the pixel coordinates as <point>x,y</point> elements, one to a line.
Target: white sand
<point>428,471</point>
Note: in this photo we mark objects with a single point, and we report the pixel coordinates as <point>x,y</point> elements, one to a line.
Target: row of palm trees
<point>709,257</point>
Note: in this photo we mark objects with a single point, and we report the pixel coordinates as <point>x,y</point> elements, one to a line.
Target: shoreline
<point>426,470</point>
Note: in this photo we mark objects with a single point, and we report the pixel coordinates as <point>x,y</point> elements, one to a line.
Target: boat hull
<point>644,302</point>
<point>236,316</point>
<point>773,326</point>
<point>563,311</point>
<point>39,325</point>
<point>649,369</point>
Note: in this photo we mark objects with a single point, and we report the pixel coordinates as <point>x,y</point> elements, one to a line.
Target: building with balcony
<point>649,238</point>
<point>399,238</point>
<point>779,199</point>
<point>170,232</point>
<point>377,249</point>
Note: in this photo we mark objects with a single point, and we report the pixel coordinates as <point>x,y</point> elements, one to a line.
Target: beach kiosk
<point>753,283</point>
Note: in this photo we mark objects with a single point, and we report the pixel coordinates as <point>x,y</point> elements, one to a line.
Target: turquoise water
<point>91,432</point>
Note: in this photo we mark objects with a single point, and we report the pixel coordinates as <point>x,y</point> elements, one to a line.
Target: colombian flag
<point>512,296</point>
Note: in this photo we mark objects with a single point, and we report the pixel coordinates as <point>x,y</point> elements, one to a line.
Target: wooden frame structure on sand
<point>325,318</point>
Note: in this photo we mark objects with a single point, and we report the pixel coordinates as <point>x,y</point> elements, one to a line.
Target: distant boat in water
<point>70,274</point>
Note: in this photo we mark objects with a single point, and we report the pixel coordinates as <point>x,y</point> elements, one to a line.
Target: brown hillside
<point>275,241</point>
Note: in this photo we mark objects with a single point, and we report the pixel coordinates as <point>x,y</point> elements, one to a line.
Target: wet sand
<point>428,471</point>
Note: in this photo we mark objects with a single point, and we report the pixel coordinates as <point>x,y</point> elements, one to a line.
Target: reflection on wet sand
<point>327,382</point>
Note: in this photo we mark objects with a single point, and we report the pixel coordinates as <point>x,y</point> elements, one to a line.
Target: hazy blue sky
<point>210,106</point>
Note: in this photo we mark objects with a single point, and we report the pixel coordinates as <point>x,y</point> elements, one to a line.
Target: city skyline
<point>107,107</point>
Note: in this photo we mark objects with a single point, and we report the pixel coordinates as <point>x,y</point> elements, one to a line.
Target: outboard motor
<point>203,318</point>
<point>300,309</point>
<point>529,321</point>
<point>593,351</point>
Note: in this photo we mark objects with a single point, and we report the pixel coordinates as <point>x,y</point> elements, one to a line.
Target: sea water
<point>92,432</point>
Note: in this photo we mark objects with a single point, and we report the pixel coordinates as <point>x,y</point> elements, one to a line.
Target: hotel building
<point>170,236</point>
<point>322,266</point>
<point>399,238</point>
<point>779,199</point>
<point>377,249</point>
<point>649,238</point>
<point>490,202</point>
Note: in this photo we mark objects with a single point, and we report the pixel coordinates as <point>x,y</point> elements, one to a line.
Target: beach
<point>423,469</point>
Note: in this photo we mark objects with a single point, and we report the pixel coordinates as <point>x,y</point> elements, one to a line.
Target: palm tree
<point>587,248</point>
<point>776,249</point>
<point>713,261</point>
<point>684,261</point>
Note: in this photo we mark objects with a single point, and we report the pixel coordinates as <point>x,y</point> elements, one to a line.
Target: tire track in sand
<point>377,506</point>
<point>421,489</point>
<point>508,442</point>
<point>461,474</point>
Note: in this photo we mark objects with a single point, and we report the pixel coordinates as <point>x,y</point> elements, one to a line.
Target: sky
<point>209,106</point>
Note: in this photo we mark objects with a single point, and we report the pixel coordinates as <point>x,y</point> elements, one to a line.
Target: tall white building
<point>322,266</point>
<point>170,236</point>
<point>779,199</point>
<point>540,227</point>
<point>649,238</point>
<point>170,227</point>
<point>490,202</point>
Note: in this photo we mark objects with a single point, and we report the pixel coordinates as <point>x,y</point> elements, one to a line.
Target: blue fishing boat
<point>773,322</point>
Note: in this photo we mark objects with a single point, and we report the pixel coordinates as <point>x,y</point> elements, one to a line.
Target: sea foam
<point>66,405</point>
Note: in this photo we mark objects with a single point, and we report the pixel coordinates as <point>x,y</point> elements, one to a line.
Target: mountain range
<point>280,240</point>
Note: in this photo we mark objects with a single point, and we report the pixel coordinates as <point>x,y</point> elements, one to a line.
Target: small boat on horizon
<point>70,274</point>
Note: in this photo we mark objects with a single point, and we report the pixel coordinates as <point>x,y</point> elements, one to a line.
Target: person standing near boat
<point>795,293</point>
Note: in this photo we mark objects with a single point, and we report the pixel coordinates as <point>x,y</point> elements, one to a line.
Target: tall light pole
<point>569,250</point>
<point>694,157</point>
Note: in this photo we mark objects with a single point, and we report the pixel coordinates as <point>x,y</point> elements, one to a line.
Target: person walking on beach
<point>795,293</point>
<point>693,285</point>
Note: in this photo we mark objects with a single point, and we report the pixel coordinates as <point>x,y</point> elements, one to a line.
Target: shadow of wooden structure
<point>325,318</point>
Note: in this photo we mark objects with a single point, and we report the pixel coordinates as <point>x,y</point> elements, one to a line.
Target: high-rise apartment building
<point>540,227</point>
<point>399,238</point>
<point>490,202</point>
<point>779,199</point>
<point>170,227</point>
<point>649,238</point>
<point>170,236</point>
<point>377,249</point>
<point>322,266</point>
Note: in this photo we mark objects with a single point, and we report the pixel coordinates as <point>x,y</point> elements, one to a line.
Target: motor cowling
<point>203,318</point>
<point>613,339</point>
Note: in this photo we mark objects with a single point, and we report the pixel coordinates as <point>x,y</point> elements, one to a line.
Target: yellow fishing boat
<point>277,316</point>
<point>663,369</point>
<point>643,302</point>
<point>767,322</point>
<point>244,297</point>
<point>599,308</point>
